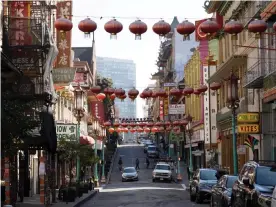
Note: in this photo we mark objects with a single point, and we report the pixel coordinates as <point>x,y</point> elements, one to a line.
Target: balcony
<point>254,77</point>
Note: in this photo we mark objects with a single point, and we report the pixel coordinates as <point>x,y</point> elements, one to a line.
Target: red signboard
<point>97,110</point>
<point>199,35</point>
<point>161,110</point>
<point>19,25</point>
<point>64,9</point>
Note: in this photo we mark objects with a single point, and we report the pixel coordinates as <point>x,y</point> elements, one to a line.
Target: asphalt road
<point>142,193</point>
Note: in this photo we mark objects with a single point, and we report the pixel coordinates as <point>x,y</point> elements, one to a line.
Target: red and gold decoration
<point>138,28</point>
<point>209,27</point>
<point>133,93</point>
<point>113,27</point>
<point>161,28</point>
<point>87,26</point>
<point>185,28</point>
<point>63,25</point>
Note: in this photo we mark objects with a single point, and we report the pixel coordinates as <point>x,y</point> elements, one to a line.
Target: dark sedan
<point>221,192</point>
<point>129,174</point>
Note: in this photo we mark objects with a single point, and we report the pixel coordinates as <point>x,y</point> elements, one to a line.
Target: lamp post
<point>103,161</point>
<point>233,104</point>
<point>78,113</point>
<point>96,131</point>
<point>190,132</point>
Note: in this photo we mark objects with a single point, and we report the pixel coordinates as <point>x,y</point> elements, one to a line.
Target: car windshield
<point>162,167</point>
<point>208,175</point>
<point>230,181</point>
<point>129,170</point>
<point>264,176</point>
<point>152,149</point>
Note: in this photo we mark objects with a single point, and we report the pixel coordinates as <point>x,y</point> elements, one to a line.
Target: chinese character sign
<point>64,9</point>
<point>161,110</point>
<point>19,27</point>
<point>166,102</point>
<point>97,109</point>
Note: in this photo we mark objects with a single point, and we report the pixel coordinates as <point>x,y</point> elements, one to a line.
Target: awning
<point>87,140</point>
<point>225,68</point>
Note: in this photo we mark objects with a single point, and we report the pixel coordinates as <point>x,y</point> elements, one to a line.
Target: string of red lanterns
<point>162,28</point>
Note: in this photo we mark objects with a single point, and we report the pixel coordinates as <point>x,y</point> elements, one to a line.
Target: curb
<point>86,199</point>
<point>111,167</point>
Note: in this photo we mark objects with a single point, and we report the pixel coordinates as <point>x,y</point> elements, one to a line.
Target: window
<point>129,170</point>
<point>163,167</point>
<point>208,175</point>
<point>230,181</point>
<point>266,176</point>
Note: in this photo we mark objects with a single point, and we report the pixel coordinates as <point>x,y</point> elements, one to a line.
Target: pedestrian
<point>148,162</point>
<point>137,164</point>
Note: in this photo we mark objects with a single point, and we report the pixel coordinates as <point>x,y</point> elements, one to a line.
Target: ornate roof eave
<point>223,7</point>
<point>212,6</point>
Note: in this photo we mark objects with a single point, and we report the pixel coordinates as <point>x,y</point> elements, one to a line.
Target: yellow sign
<point>166,102</point>
<point>248,118</point>
<point>248,128</point>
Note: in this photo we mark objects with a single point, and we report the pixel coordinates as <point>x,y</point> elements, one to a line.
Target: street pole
<point>103,165</point>
<point>96,163</point>
<point>170,143</point>
<point>179,177</point>
<point>78,158</point>
<point>235,156</point>
<point>190,157</point>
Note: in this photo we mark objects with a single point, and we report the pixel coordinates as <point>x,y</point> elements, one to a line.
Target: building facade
<point>123,74</point>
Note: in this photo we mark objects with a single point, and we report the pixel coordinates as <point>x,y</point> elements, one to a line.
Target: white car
<point>273,201</point>
<point>162,171</point>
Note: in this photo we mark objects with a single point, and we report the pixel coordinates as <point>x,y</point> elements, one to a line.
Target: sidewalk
<point>34,201</point>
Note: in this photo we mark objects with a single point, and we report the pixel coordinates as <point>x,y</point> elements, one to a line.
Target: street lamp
<point>78,113</point>
<point>189,130</point>
<point>95,127</point>
<point>233,103</point>
<point>103,131</point>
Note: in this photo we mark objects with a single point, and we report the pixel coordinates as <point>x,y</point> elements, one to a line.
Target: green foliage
<point>15,124</point>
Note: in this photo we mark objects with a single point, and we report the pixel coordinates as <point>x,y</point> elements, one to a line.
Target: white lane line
<point>184,186</point>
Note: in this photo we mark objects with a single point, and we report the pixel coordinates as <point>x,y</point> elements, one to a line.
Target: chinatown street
<point>141,193</point>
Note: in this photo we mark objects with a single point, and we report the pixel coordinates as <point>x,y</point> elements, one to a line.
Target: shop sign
<point>177,109</point>
<point>161,110</point>
<point>68,131</point>
<point>63,75</point>
<point>97,109</point>
<point>198,136</point>
<point>169,84</point>
<point>248,128</point>
<point>64,9</point>
<point>166,102</point>
<point>241,150</point>
<point>248,118</point>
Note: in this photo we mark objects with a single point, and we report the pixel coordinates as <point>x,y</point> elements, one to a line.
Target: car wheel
<point>198,198</point>
<point>153,180</point>
<point>192,197</point>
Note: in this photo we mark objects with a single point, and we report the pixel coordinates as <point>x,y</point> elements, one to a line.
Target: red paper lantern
<point>118,130</point>
<point>154,95</point>
<point>63,25</point>
<point>147,130</point>
<point>162,93</point>
<point>257,26</point>
<point>140,129</point>
<point>209,27</point>
<point>175,92</point>
<point>158,124</point>
<point>119,92</point>
<point>215,86</point>
<point>176,123</point>
<point>133,93</point>
<point>202,88</point>
<point>124,124</point>
<point>111,130</point>
<point>142,124</point>
<point>161,28</point>
<point>197,92</point>
<point>187,91</point>
<point>123,97</point>
<point>96,89</point>
<point>138,28</point>
<point>87,26</point>
<point>150,124</point>
<point>184,122</point>
<point>108,91</point>
<point>132,130</point>
<point>185,28</point>
<point>233,27</point>
<point>154,129</point>
<point>101,96</point>
<point>107,124</point>
<point>161,129</point>
<point>125,129</point>
<point>176,129</point>
<point>113,27</point>
<point>112,97</point>
<point>147,93</point>
<point>142,95</point>
<point>116,124</point>
<point>274,26</point>
<point>132,124</point>
<point>169,128</point>
<point>167,123</point>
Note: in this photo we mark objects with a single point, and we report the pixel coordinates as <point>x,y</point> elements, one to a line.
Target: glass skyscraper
<point>123,74</point>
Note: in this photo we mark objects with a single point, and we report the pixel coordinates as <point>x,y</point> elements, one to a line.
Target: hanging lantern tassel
<point>186,37</point>
<point>234,37</point>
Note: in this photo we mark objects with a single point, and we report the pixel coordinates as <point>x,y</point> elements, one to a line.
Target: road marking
<point>184,186</point>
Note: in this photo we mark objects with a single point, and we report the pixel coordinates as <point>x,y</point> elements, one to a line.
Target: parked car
<point>130,174</point>
<point>273,201</point>
<point>201,185</point>
<point>152,151</point>
<point>222,191</point>
<point>162,171</point>
<point>255,184</point>
<point>148,143</point>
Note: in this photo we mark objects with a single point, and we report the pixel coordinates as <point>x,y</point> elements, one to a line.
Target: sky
<point>143,52</point>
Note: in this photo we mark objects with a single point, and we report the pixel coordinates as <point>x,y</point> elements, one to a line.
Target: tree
<point>70,149</point>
